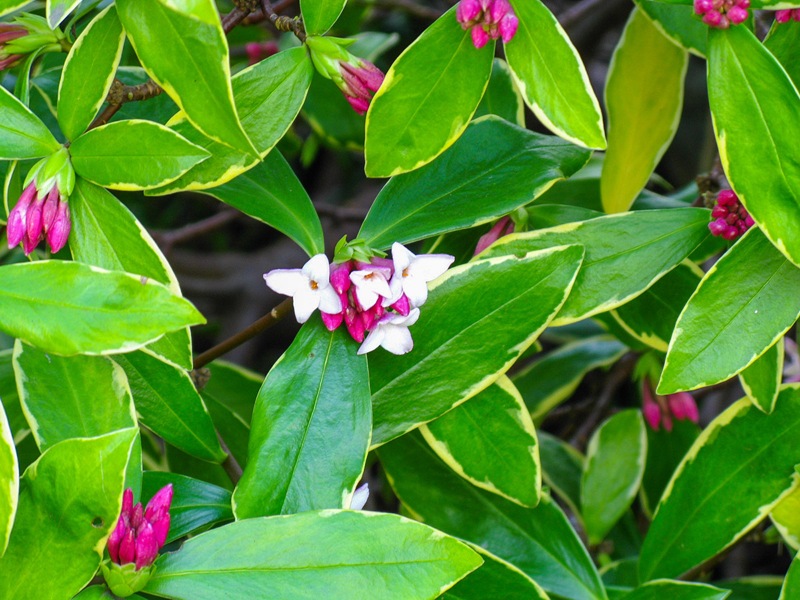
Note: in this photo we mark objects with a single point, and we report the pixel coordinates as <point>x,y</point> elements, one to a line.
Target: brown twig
<point>120,93</point>
<point>168,239</point>
<point>264,323</point>
<point>281,23</point>
<point>230,464</point>
<point>340,213</point>
<point>233,18</point>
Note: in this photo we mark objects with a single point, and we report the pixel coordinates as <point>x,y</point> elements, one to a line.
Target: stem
<point>230,464</point>
<point>168,239</point>
<point>264,323</point>
<point>120,93</point>
<point>295,25</point>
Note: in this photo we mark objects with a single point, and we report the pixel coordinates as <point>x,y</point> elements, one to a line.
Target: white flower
<point>413,272</point>
<point>391,332</point>
<point>371,283</point>
<point>310,287</point>
<point>360,497</point>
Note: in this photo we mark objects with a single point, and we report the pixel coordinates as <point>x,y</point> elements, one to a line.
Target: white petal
<point>286,281</point>
<point>371,279</point>
<point>397,339</point>
<point>372,341</point>
<point>329,300</point>
<point>408,320</point>
<point>306,301</point>
<point>366,298</point>
<point>360,497</point>
<point>396,289</point>
<point>416,289</point>
<point>318,269</point>
<point>401,257</point>
<point>430,266</point>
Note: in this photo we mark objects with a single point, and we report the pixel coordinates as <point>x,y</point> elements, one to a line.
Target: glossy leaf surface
<point>22,134</point>
<point>320,15</point>
<point>9,480</point>
<point>495,578</point>
<point>762,379</point>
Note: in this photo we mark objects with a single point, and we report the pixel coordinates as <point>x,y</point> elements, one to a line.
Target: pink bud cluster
<point>489,20</point>
<point>360,79</point>
<point>258,51</point>
<point>722,13</point>
<point>140,533</point>
<point>731,218</point>
<point>660,410</point>
<point>39,214</point>
<point>8,33</point>
<point>789,14</point>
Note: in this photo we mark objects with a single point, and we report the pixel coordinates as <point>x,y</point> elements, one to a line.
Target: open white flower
<point>413,272</point>
<point>371,284</point>
<point>310,287</point>
<point>391,332</point>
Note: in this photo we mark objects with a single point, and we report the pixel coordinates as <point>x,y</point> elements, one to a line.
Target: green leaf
<point>781,41</point>
<point>736,471</point>
<point>386,555</point>
<point>9,396</point>
<point>551,379</point>
<point>182,47</point>
<point>69,502</point>
<point>268,96</point>
<point>755,587</point>
<point>491,442</point>
<point>633,250</point>
<point>791,585</point>
<point>466,338</point>
<point>745,79</point>
<point>786,518</point>
<point>272,193</point>
<point>615,460</point>
<point>9,6</point>
<point>495,578</point>
<point>665,451</point>
<point>761,381</point>
<point>679,23</point>
<point>133,155</point>
<point>70,308</point>
<point>744,304</point>
<point>650,317</point>
<point>9,480</point>
<point>107,235</point>
<point>640,125</point>
<point>427,99</point>
<point>310,429</point>
<point>494,168</point>
<point>229,396</point>
<point>552,77</point>
<point>502,98</point>
<point>89,72</point>
<point>195,504</point>
<point>320,15</point>
<point>562,470</point>
<point>22,134</point>
<point>169,405</point>
<point>71,397</point>
<point>331,117</point>
<point>58,10</point>
<point>539,541</point>
<point>677,590</point>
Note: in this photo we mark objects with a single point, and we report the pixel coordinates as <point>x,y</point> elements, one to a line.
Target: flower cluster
<point>357,78</point>
<point>789,14</point>
<point>722,13</point>
<point>42,211</point>
<point>25,35</point>
<point>660,410</point>
<point>376,298</point>
<point>731,218</point>
<point>488,20</point>
<point>140,533</point>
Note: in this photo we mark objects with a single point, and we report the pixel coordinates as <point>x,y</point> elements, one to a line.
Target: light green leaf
<point>491,442</point>
<point>71,397</point>
<point>791,585</point>
<point>494,168</point>
<point>615,460</point>
<point>133,155</point>
<point>58,10</point>
<point>632,250</point>
<point>739,468</point>
<point>552,77</point>
<point>650,317</point>
<point>744,304</point>
<point>9,6</point>
<point>195,504</point>
<point>786,518</point>
<point>22,134</point>
<point>69,502</point>
<point>70,308</point>
<point>427,99</point>
<point>272,193</point>
<point>551,379</point>
<point>753,587</point>
<point>539,541</point>
<point>562,470</point>
<point>745,79</point>
<point>679,23</point>
<point>107,235</point>
<point>465,339</point>
<point>640,125</point>
<point>9,480</point>
<point>782,41</point>
<point>88,72</point>
<point>320,15</point>
<point>182,47</point>
<point>495,578</point>
<point>268,97</point>
<point>677,590</point>
<point>168,404</point>
<point>310,429</point>
<point>383,555</point>
<point>761,381</point>
<point>502,98</point>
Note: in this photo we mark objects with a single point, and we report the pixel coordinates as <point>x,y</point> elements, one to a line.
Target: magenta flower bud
<point>17,219</point>
<point>714,18</point>
<point>127,547</point>
<point>354,324</point>
<point>58,234</point>
<point>508,27</point>
<point>727,198</point>
<point>115,538</point>
<point>499,9</point>
<point>497,231</point>
<point>701,7</point>
<point>33,228</point>
<point>748,221</point>
<point>146,546</point>
<point>403,305</point>
<point>140,533</point>
<point>743,3</point>
<point>360,79</point>
<point>157,513</point>
<point>666,420</point>
<point>468,11</point>
<point>359,105</point>
<point>332,321</point>
<point>683,406</point>
<point>650,408</point>
<point>479,37</point>
<point>50,209</point>
<point>340,279</point>
<point>737,15</point>
<point>783,16</point>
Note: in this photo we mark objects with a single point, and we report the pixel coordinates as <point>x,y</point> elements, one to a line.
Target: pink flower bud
<point>783,16</point>
<point>402,306</point>
<point>332,321</point>
<point>737,15</point>
<point>499,9</point>
<point>58,234</point>
<point>467,11</point>
<point>667,421</point>
<point>359,105</point>
<point>33,228</point>
<point>508,27</point>
<point>127,547</point>
<point>354,324</point>
<point>701,7</point>
<point>714,18</point>
<point>650,408</point>
<point>146,546</point>
<point>115,539</point>
<point>340,279</point>
<point>727,198</point>
<point>479,37</point>
<point>50,209</point>
<point>494,234</point>
<point>17,219</point>
<point>157,513</point>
